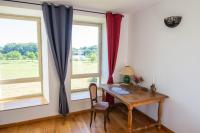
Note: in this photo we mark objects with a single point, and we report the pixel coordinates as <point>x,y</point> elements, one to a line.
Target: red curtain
<point>113,22</point>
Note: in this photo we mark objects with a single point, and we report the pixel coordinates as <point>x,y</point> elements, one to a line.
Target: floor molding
<point>41,119</point>
<point>72,114</point>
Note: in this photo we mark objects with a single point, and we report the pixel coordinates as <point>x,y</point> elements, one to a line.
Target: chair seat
<point>101,106</point>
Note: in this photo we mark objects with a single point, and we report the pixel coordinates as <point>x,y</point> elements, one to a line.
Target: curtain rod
<point>38,4</point>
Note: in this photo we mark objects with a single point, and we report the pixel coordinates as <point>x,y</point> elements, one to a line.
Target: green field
<point>13,69</point>
<point>84,67</point>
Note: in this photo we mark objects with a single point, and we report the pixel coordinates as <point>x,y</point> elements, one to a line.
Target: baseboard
<point>71,114</point>
<point>41,119</point>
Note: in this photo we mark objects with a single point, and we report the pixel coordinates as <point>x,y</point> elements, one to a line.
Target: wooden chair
<point>97,106</point>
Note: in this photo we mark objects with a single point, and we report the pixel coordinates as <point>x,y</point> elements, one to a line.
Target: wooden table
<point>138,96</point>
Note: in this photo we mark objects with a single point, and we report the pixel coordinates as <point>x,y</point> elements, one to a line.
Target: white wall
<point>51,109</point>
<point>173,56</point>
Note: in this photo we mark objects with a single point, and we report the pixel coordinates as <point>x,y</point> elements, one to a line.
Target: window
<point>20,57</point>
<point>86,55</point>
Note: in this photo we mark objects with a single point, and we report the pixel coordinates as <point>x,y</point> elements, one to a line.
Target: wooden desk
<point>137,97</point>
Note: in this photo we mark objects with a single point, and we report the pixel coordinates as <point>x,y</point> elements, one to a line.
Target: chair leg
<point>91,118</point>
<point>105,114</point>
<point>95,115</point>
<point>108,111</point>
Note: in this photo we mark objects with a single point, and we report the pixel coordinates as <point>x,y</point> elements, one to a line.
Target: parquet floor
<point>80,124</point>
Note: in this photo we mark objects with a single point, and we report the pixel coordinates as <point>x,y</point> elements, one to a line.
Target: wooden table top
<point>137,95</point>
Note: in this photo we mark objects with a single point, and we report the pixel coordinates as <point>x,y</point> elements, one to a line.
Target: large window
<point>20,57</point>
<point>86,55</point>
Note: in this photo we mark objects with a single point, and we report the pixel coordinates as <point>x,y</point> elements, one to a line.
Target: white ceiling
<point>123,6</point>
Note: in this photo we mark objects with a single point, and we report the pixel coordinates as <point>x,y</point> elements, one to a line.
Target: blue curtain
<point>58,22</point>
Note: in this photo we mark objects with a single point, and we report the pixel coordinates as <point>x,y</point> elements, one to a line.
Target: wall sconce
<point>172,21</point>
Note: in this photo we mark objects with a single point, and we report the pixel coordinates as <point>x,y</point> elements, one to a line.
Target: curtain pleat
<point>58,22</point>
<point>113,22</point>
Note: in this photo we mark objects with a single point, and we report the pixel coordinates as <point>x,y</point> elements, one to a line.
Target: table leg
<point>130,120</point>
<point>160,110</point>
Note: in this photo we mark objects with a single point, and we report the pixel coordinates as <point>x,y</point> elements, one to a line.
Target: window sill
<point>83,95</point>
<point>22,103</point>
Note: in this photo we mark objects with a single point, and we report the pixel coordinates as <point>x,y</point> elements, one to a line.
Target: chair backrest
<point>93,93</point>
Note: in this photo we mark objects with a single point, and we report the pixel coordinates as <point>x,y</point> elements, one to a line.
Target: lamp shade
<point>127,70</point>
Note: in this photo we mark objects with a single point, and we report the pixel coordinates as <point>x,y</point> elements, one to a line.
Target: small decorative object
<point>127,71</point>
<point>172,21</point>
<point>153,88</point>
<point>137,79</point>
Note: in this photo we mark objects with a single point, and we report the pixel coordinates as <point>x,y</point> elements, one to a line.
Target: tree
<point>23,48</point>
<point>31,55</point>
<point>1,49</point>
<point>36,54</point>
<point>13,55</point>
<point>92,57</point>
<point>89,50</point>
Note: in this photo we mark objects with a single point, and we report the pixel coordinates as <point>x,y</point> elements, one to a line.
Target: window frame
<point>39,42</point>
<point>89,75</point>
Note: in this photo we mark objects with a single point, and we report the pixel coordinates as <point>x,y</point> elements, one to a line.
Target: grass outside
<point>83,83</point>
<point>13,69</point>
<point>84,67</point>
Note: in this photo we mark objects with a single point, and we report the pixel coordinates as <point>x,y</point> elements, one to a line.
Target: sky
<point>18,31</point>
<point>23,31</point>
<point>84,36</point>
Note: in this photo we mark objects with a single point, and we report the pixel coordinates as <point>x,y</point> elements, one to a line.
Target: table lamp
<point>127,71</point>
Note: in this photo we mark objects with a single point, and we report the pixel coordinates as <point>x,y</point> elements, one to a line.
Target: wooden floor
<point>80,124</point>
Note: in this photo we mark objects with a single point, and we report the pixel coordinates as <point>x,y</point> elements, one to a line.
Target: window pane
<point>19,89</point>
<point>83,83</point>
<point>85,49</point>
<point>18,49</point>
